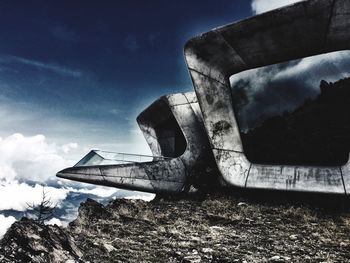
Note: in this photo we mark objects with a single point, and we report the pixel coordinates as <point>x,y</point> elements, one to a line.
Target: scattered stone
<point>275,258</point>
<point>207,250</point>
<point>109,248</point>
<point>293,237</point>
<point>28,241</point>
<point>192,259</point>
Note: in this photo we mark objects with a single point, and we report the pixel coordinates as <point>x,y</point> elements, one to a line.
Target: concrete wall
<point>304,29</point>
<point>173,127</point>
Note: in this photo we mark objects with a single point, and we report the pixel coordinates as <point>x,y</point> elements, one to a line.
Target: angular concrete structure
<point>303,29</point>
<point>200,143</point>
<point>174,130</point>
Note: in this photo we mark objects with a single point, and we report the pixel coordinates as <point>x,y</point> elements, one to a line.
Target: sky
<point>75,74</point>
<point>275,89</point>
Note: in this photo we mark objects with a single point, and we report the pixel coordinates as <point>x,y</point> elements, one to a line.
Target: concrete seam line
<point>342,178</point>
<point>220,149</point>
<point>234,49</point>
<point>135,178</point>
<point>329,23</point>
<point>246,179</point>
<point>200,73</point>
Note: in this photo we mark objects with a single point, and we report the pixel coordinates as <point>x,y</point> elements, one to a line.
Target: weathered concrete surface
<point>200,137</point>
<point>300,30</point>
<point>173,128</point>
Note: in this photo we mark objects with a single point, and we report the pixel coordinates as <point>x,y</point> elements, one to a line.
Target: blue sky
<point>81,71</point>
<point>75,74</point>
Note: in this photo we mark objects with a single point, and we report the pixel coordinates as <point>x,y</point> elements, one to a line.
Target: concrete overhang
<point>304,29</point>
<point>173,128</point>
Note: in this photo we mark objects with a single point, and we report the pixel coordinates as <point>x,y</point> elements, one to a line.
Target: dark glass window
<point>170,137</point>
<point>297,112</point>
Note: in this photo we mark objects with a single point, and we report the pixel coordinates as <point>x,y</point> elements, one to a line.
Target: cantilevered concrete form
<point>174,130</point>
<point>303,29</point>
<point>190,140</point>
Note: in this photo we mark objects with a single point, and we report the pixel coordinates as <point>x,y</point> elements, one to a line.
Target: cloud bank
<point>15,195</point>
<point>31,158</point>
<point>29,162</point>
<point>261,6</point>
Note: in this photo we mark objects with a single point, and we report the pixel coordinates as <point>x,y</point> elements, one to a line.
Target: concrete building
<point>188,151</point>
<point>173,128</point>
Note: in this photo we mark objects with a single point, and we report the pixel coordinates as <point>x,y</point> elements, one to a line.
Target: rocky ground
<point>223,228</point>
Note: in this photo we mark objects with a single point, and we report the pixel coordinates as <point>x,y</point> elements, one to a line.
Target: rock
<point>207,250</point>
<point>242,204</point>
<point>89,212</point>
<point>293,237</point>
<point>29,241</point>
<point>275,258</point>
<point>192,259</point>
<point>109,248</point>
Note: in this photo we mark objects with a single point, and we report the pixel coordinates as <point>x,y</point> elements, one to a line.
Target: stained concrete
<point>200,137</point>
<point>173,128</point>
<point>300,30</point>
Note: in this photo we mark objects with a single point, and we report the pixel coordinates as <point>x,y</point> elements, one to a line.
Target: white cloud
<point>100,191</point>
<point>54,221</point>
<point>16,196</point>
<point>31,158</point>
<point>66,148</point>
<point>337,60</point>
<point>330,66</point>
<point>28,162</point>
<point>142,196</point>
<point>261,6</point>
<point>5,223</point>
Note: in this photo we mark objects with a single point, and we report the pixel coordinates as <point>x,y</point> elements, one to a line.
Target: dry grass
<point>216,229</point>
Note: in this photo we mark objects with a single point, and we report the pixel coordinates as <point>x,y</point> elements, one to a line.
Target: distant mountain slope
<point>316,133</point>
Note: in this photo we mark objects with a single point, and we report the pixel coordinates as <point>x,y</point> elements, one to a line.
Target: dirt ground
<point>216,229</point>
<point>240,227</point>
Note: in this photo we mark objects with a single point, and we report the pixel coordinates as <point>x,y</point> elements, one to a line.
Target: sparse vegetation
<point>44,210</point>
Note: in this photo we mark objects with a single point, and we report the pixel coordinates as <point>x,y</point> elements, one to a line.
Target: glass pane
<point>98,157</point>
<point>295,112</point>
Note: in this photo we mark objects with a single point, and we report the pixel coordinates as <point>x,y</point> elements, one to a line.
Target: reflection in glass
<point>297,112</point>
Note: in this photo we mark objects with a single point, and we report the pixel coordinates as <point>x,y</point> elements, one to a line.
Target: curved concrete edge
<point>304,29</point>
<point>218,115</point>
<point>239,172</point>
<point>171,175</point>
<point>161,176</point>
<point>197,157</point>
<point>345,170</point>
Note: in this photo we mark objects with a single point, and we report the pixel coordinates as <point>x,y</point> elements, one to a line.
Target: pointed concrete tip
<point>63,174</point>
